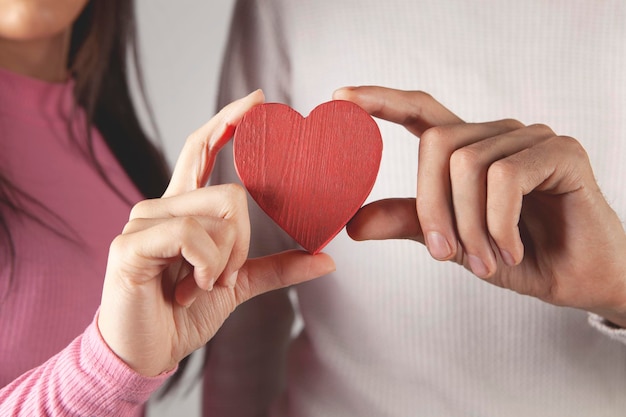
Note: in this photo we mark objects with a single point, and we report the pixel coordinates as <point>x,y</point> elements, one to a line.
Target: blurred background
<point>181,45</point>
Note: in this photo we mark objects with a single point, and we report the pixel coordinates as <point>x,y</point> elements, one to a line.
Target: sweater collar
<point>20,94</point>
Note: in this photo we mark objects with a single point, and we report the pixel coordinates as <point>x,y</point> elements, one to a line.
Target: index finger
<point>195,162</point>
<point>415,110</point>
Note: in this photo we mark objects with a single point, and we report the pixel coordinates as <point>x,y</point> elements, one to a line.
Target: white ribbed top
<point>393,332</point>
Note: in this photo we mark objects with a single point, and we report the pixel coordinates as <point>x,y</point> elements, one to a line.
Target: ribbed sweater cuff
<point>607,328</point>
<point>84,379</point>
<point>116,376</point>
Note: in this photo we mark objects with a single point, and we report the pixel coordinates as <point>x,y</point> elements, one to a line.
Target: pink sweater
<point>53,360</point>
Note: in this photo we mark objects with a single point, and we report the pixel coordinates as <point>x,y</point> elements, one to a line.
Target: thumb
<point>196,159</point>
<point>281,270</point>
<point>392,218</point>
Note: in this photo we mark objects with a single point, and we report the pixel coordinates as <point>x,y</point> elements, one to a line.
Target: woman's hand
<point>517,205</point>
<point>180,266</point>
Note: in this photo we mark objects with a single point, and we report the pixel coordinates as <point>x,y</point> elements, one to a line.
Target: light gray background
<point>181,46</point>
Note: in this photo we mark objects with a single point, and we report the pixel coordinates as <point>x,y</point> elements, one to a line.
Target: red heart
<point>310,175</point>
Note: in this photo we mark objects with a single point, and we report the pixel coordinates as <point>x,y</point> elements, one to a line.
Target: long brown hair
<point>103,39</point>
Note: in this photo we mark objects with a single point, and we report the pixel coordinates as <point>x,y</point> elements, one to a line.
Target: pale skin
<point>180,266</point>
<point>35,35</point>
<point>517,205</point>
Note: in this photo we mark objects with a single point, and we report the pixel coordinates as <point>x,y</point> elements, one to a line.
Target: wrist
<point>111,369</point>
<point>124,349</point>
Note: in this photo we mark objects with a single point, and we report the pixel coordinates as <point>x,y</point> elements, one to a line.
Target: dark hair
<point>103,39</point>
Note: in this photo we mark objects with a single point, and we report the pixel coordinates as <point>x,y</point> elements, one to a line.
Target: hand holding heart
<point>517,205</point>
<point>180,266</point>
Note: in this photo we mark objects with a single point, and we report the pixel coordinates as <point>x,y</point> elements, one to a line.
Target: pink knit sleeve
<point>85,379</point>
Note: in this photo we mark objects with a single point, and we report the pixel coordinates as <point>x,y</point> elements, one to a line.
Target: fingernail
<point>231,281</point>
<point>207,285</point>
<point>190,302</point>
<point>477,266</point>
<point>507,257</point>
<point>341,90</point>
<point>438,245</point>
<point>254,92</point>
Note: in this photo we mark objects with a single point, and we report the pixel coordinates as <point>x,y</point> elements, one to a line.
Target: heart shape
<point>310,175</point>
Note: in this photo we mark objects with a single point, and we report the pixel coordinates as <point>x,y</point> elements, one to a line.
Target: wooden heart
<point>310,175</point>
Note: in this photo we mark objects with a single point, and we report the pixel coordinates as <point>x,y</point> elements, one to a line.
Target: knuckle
<point>572,145</point>
<point>420,96</point>
<point>236,198</point>
<point>417,100</point>
<point>465,159</point>
<point>131,226</point>
<point>188,223</point>
<point>435,139</point>
<point>512,124</point>
<point>542,129</point>
<point>119,245</point>
<point>501,171</point>
<point>227,231</point>
<point>186,227</point>
<point>141,209</point>
<point>196,139</point>
<point>434,134</point>
<point>236,192</point>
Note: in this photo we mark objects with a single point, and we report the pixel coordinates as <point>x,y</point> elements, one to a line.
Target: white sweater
<point>394,332</point>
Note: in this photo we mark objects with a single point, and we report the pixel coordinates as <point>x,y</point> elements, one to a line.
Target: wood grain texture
<point>310,175</point>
